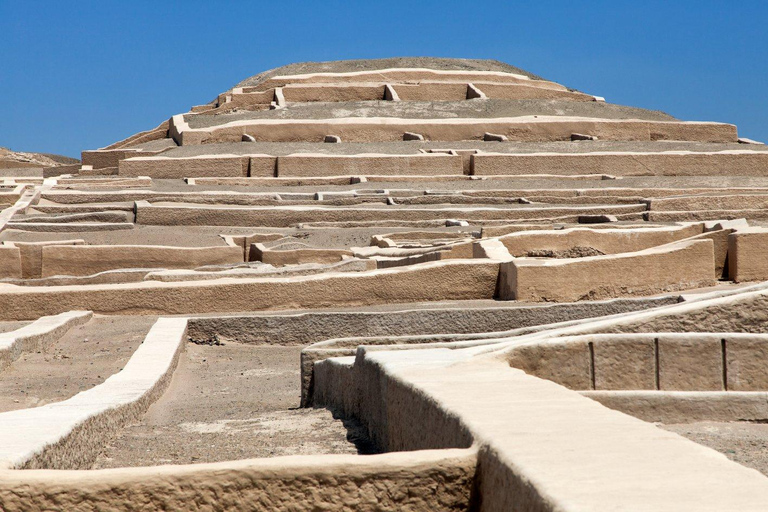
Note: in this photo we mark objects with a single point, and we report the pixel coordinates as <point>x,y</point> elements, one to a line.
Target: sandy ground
<point>81,359</point>
<point>229,402</point>
<point>742,442</point>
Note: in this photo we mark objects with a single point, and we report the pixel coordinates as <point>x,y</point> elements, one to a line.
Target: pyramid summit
<point>396,284</point>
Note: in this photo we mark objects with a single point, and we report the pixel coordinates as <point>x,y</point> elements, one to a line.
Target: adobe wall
<point>742,201</point>
<point>439,480</point>
<point>743,163</point>
<point>285,216</point>
<point>431,91</point>
<point>333,92</point>
<point>156,133</point>
<point>10,261</point>
<point>719,239</point>
<point>364,164</point>
<point>38,335</point>
<point>748,254</point>
<point>84,260</point>
<point>523,91</point>
<point>395,75</point>
<point>192,167</point>
<point>79,197</point>
<point>745,312</point>
<point>653,361</point>
<point>454,280</point>
<point>258,252</point>
<point>412,399</point>
<point>303,328</point>
<point>245,99</point>
<point>524,129</point>
<point>32,256</point>
<point>608,241</point>
<point>704,215</point>
<point>66,434</point>
<point>677,266</point>
<point>9,195</point>
<point>102,158</point>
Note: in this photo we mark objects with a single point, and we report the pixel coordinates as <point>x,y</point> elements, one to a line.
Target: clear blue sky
<point>81,74</point>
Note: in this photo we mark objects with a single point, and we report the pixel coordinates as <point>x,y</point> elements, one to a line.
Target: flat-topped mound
<point>451,258</point>
<point>346,66</point>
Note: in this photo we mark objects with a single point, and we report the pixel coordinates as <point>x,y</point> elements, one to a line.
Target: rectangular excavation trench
<point>228,402</point>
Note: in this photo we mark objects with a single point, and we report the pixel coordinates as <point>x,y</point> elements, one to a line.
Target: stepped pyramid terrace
<point>413,284</point>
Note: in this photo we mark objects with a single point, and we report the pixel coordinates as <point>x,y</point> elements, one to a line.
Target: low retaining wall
<point>524,427</point>
<point>665,268</point>
<point>517,319</point>
<point>259,252</point>
<point>38,335</point>
<point>395,75</point>
<point>681,163</point>
<point>704,215</point>
<point>422,164</point>
<point>748,254</point>
<point>524,129</point>
<point>440,481</point>
<point>652,361</point>
<point>285,216</point>
<point>103,158</point>
<point>191,167</point>
<point>431,91</point>
<point>69,434</point>
<point>84,260</point>
<point>32,256</point>
<point>333,92</point>
<point>606,240</point>
<point>310,327</point>
<point>523,91</point>
<point>454,280</point>
<point>742,201</point>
